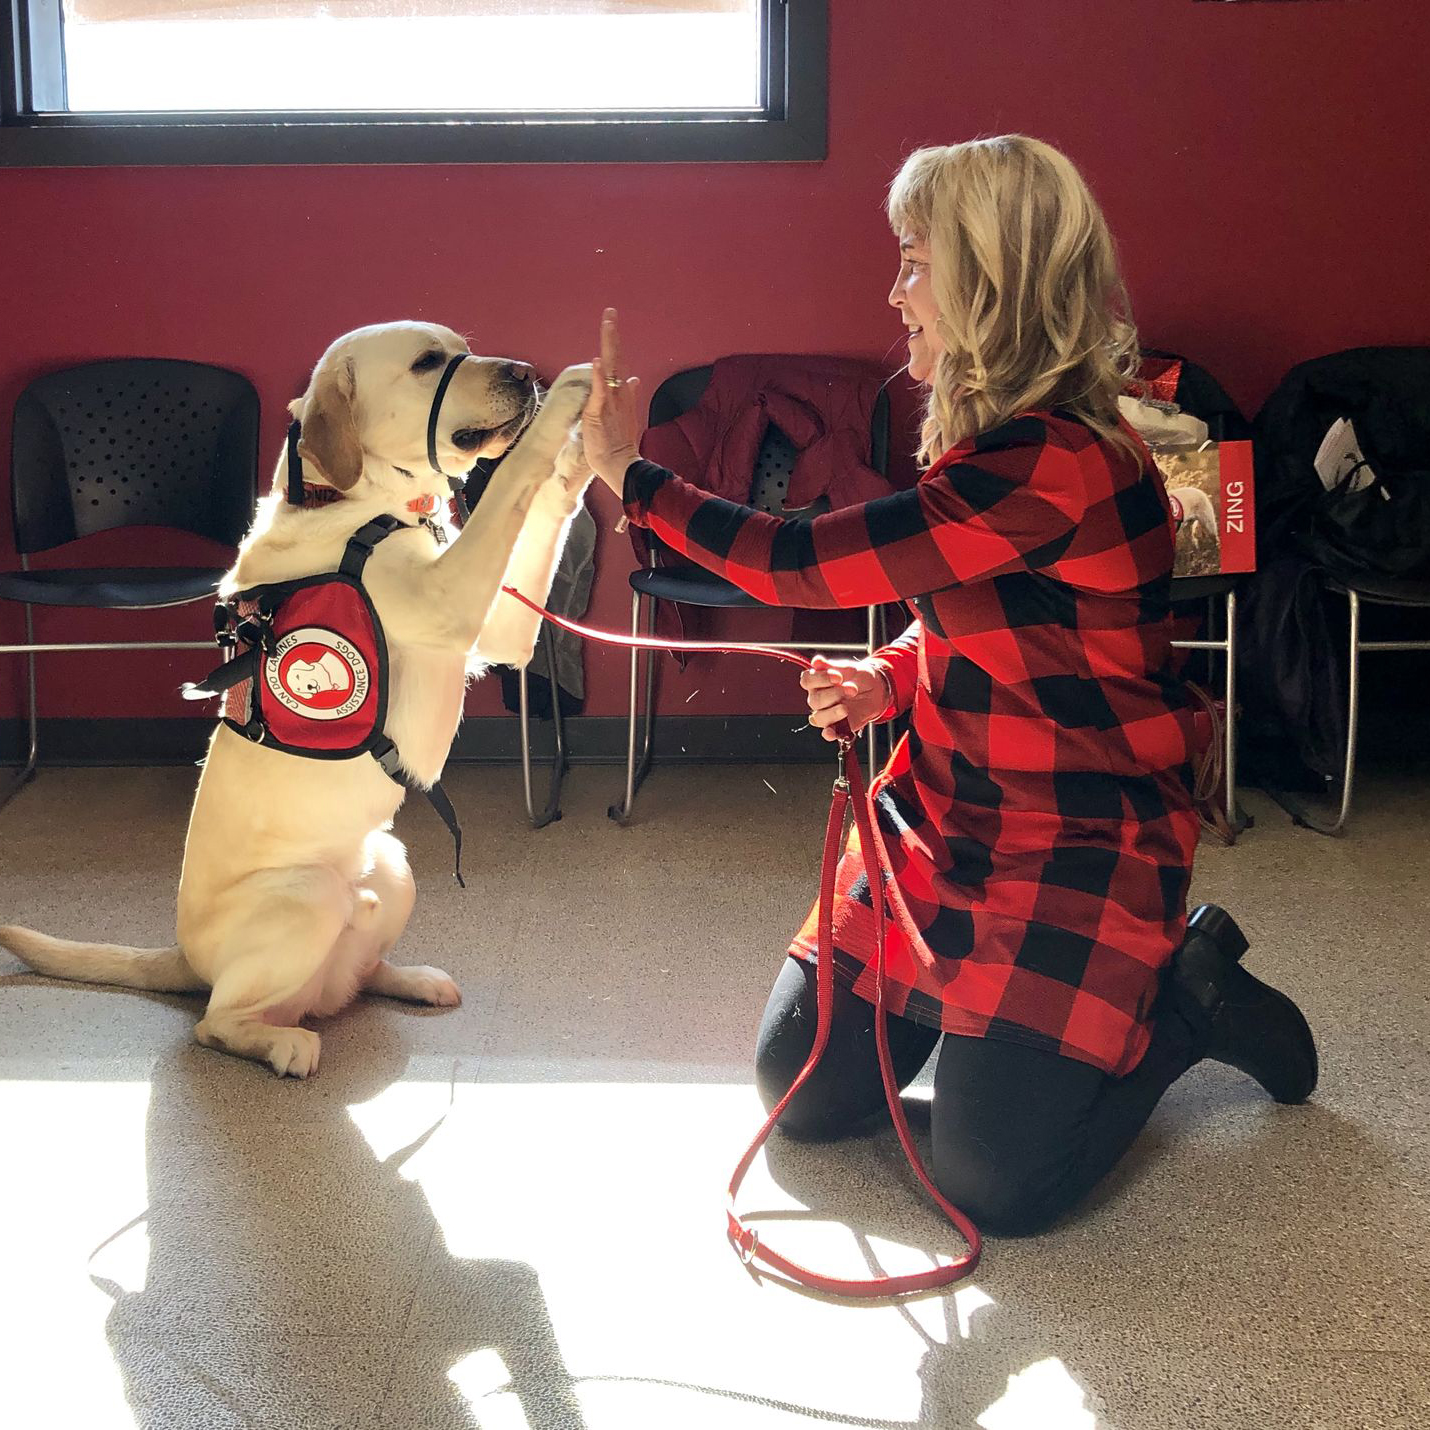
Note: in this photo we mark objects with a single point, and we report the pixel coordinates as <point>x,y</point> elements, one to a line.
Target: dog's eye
<point>427,362</point>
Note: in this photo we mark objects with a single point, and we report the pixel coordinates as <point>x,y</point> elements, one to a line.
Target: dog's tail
<point>162,970</point>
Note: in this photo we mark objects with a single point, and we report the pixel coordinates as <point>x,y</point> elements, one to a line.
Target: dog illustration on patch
<point>309,678</point>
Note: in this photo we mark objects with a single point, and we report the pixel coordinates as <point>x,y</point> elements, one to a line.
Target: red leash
<point>848,787</point>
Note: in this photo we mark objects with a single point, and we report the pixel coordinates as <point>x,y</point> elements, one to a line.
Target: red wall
<point>1262,164</point>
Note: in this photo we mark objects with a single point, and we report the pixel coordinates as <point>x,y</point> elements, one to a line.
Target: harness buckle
<point>257,630</point>
<point>224,637</point>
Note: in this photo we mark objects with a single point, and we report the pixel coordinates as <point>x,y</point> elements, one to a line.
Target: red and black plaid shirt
<point>1038,816</point>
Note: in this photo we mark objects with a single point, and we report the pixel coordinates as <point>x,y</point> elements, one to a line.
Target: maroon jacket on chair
<point>824,405</point>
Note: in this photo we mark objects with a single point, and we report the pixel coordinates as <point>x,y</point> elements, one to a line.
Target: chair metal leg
<point>28,772</point>
<point>637,769</point>
<point>559,761</point>
<point>1233,820</point>
<point>1299,813</point>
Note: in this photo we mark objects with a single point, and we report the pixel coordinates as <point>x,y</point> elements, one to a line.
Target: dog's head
<point>367,406</point>
<point>314,677</point>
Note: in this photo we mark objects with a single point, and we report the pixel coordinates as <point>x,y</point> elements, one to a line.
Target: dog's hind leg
<point>416,984</point>
<point>272,953</point>
<point>391,881</point>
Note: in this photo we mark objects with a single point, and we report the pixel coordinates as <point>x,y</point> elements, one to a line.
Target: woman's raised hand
<point>853,690</point>
<point>611,423</point>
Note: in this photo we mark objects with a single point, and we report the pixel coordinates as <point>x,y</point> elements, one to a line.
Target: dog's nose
<point>519,372</point>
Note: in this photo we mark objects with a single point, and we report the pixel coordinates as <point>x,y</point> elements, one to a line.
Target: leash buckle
<point>746,1246</point>
<point>841,780</point>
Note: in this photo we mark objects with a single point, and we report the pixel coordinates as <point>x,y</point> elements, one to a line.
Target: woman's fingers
<point>596,402</point>
<point>824,699</point>
<point>611,344</point>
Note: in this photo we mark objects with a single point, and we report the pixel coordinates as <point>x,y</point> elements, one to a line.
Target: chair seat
<point>1383,590</point>
<point>1200,588</point>
<point>694,587</point>
<point>116,588</point>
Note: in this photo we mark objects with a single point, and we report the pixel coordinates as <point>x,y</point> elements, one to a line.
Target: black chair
<point>133,442</point>
<point>1201,395</point>
<point>679,581</point>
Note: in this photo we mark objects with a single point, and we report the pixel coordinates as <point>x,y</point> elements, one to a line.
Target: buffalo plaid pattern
<point>1037,818</point>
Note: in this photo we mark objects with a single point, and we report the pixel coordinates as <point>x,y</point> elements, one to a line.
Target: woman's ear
<point>330,437</point>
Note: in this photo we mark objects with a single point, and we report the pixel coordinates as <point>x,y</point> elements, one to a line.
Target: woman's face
<point>912,295</point>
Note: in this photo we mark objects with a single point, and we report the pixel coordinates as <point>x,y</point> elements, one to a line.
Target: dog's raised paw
<point>571,389</point>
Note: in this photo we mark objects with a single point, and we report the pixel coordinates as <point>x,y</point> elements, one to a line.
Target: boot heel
<point>1215,923</point>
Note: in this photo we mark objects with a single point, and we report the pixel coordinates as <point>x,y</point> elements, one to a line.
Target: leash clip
<point>841,780</point>
<point>746,1246</point>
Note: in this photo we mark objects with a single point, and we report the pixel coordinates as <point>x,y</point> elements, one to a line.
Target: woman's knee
<point>816,1113</point>
<point>1003,1195</point>
<point>831,1101</point>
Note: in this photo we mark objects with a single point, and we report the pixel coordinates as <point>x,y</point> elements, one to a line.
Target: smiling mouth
<point>471,439</point>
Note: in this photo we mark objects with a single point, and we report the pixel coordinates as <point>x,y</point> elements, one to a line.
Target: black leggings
<point>1020,1134</point>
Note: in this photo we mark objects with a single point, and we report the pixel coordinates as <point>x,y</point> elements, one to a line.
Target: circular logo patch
<point>317,674</point>
<point>1177,513</point>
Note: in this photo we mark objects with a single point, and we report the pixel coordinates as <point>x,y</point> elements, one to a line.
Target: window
<point>411,81</point>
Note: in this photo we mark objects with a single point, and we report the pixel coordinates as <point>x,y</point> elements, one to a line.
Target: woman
<point>1037,819</point>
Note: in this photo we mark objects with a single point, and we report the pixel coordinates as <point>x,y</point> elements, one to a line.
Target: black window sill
<point>73,140</point>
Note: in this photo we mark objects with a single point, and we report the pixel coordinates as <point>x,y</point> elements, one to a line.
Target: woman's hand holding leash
<point>856,691</point>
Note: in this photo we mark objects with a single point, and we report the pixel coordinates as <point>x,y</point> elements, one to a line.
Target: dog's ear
<point>330,437</point>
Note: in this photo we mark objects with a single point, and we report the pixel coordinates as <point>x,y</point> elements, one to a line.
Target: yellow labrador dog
<point>293,890</point>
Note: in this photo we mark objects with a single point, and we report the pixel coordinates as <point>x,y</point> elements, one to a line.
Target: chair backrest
<point>1200,394</point>
<point>134,442</point>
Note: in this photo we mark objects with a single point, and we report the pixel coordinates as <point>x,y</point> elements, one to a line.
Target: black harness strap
<point>385,753</point>
<point>225,677</point>
<point>363,540</point>
<point>295,466</point>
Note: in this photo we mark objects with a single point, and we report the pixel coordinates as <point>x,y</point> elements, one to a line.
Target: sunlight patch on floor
<point>612,1194</point>
<point>1043,1397</point>
<point>72,1204</point>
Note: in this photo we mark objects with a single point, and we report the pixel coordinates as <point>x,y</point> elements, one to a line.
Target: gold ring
<point>614,382</point>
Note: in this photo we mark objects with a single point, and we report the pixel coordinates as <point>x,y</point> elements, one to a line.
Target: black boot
<point>1241,1021</point>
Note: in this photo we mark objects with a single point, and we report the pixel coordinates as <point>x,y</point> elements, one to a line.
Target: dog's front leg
<point>509,636</point>
<point>469,574</point>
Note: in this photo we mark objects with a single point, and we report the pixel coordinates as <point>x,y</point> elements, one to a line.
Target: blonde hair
<point>1032,309</point>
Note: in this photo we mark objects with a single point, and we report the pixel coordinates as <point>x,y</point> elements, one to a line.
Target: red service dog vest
<point>318,684</point>
<point>307,668</point>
